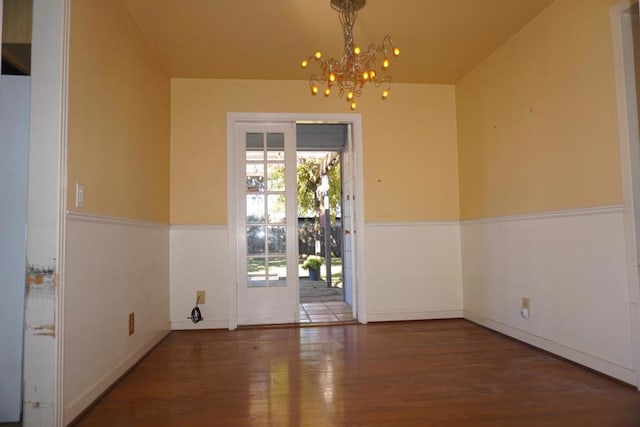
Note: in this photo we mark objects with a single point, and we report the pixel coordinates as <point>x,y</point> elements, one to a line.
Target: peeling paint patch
<point>38,276</point>
<point>39,395</point>
<point>40,301</point>
<point>37,405</point>
<point>45,330</point>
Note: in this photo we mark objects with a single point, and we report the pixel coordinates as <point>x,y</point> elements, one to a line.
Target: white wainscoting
<point>413,271</point>
<point>199,261</point>
<point>572,267</point>
<point>113,267</point>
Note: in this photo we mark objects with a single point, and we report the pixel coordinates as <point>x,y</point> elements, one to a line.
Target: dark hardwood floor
<point>432,373</point>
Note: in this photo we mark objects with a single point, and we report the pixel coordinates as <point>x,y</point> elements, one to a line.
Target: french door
<point>266,227</point>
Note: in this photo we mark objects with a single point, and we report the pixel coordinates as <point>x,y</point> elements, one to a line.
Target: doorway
<point>325,293</point>
<point>265,260</point>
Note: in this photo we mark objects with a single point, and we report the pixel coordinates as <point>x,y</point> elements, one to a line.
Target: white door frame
<point>628,137</point>
<point>355,120</point>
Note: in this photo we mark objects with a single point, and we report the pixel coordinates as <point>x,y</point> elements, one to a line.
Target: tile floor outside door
<point>322,312</point>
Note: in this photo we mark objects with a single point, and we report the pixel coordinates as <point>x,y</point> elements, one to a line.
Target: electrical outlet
<point>201,297</point>
<point>525,310</point>
<point>132,323</point>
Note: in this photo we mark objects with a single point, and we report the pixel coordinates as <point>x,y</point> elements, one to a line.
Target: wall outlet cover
<point>201,297</point>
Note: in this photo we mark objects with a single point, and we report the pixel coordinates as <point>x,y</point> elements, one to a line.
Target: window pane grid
<point>265,210</point>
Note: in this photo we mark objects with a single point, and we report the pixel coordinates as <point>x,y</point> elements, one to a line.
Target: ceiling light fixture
<point>350,73</point>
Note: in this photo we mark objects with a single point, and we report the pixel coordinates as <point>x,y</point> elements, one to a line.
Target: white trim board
<point>199,227</point>
<point>374,224</point>
<point>188,325</point>
<point>392,316</point>
<point>113,220</point>
<point>596,210</point>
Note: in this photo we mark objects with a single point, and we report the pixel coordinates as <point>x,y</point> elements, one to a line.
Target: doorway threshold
<point>299,325</point>
<point>327,311</point>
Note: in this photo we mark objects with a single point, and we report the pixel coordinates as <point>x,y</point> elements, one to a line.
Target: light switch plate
<point>79,195</point>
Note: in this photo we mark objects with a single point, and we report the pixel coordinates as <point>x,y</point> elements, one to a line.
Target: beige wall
<point>537,119</point>
<point>119,120</point>
<point>410,157</point>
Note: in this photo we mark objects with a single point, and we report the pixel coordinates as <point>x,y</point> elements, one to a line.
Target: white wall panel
<point>413,271</point>
<point>199,261</point>
<point>113,267</point>
<point>572,267</point>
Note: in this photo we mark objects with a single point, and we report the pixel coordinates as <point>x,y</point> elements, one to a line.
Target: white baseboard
<point>84,401</point>
<point>619,372</point>
<point>390,316</point>
<point>184,325</point>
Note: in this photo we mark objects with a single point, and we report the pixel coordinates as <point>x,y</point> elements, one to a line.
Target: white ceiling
<point>440,40</point>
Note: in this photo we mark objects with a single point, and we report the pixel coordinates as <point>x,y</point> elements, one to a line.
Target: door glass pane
<point>255,208</point>
<point>275,141</point>
<point>255,177</point>
<point>255,156</point>
<point>277,239</point>
<point>275,178</point>
<point>255,240</point>
<point>275,146</point>
<point>255,142</point>
<point>277,271</point>
<point>256,272</point>
<point>276,209</point>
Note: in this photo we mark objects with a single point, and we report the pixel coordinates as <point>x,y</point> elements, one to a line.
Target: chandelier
<point>349,74</point>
